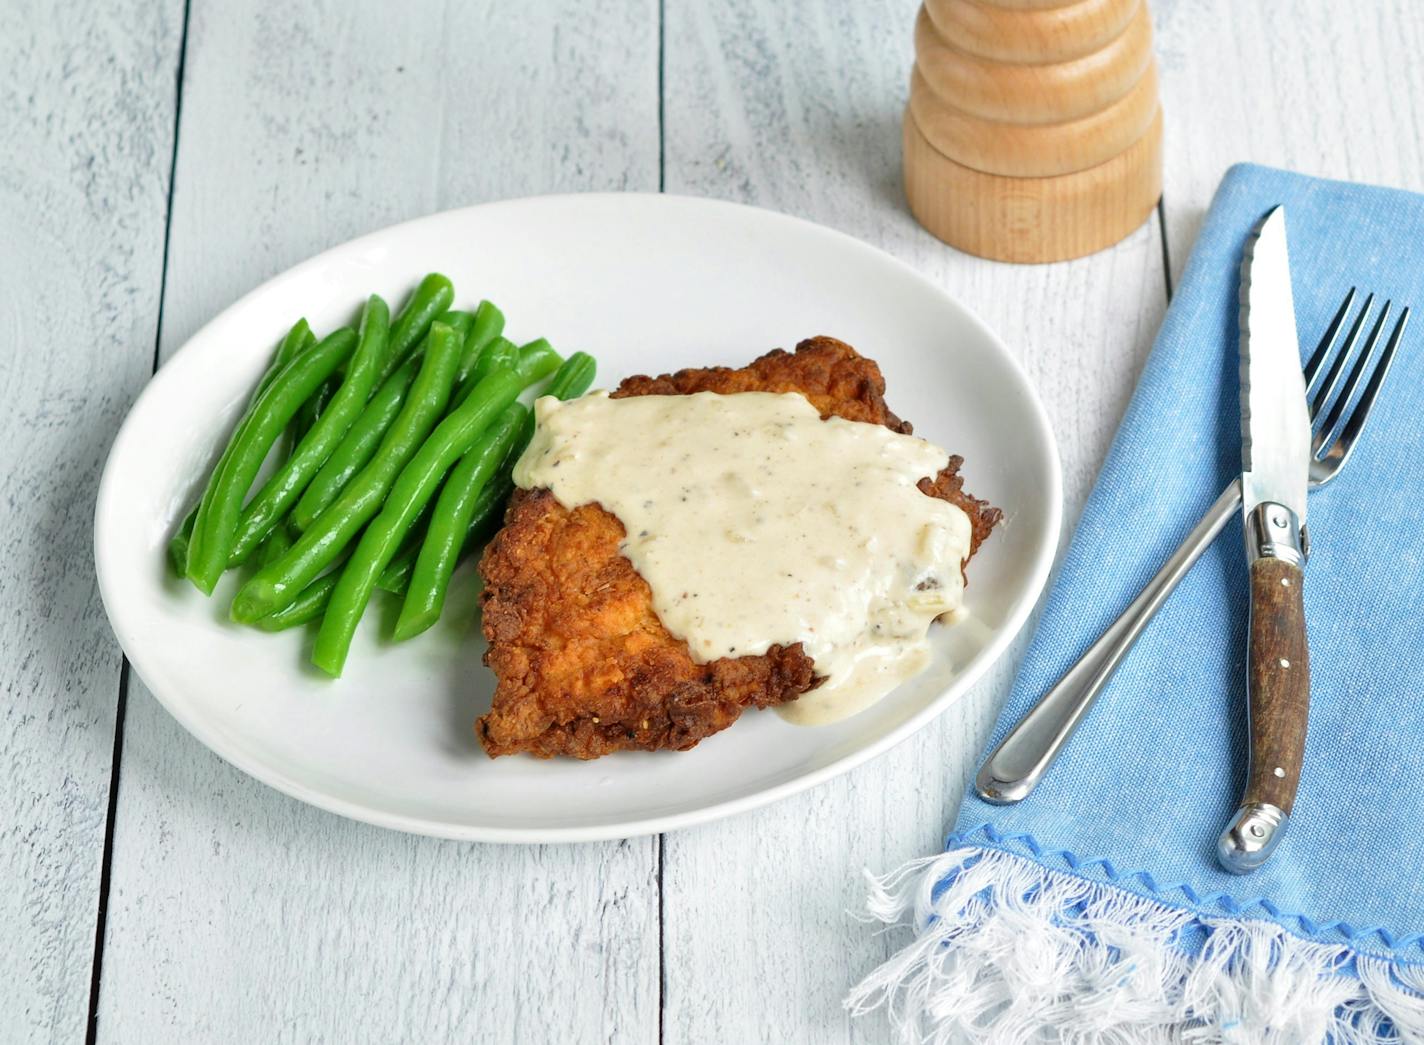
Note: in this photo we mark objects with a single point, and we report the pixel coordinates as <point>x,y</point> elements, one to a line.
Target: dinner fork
<point>1337,413</point>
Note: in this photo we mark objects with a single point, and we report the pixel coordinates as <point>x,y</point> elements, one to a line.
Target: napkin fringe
<point>1361,938</point>
<point>1009,950</point>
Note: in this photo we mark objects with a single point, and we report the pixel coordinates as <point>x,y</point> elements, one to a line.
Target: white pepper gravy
<point>756,523</point>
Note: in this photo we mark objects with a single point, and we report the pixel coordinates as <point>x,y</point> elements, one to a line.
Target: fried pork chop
<point>584,665</point>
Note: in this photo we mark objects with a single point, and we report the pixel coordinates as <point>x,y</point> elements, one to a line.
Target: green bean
<point>432,297</point>
<point>488,325</point>
<point>280,539</point>
<point>490,505</point>
<point>311,603</point>
<point>178,544</point>
<point>489,510</point>
<point>308,606</point>
<point>296,340</point>
<point>408,496</point>
<point>366,433</point>
<point>357,447</point>
<point>499,352</point>
<point>281,491</point>
<point>274,546</point>
<point>390,579</point>
<point>221,506</point>
<point>445,536</point>
<point>277,585</point>
<point>537,360</point>
<point>313,408</point>
<point>460,321</point>
<point>395,578</point>
<point>573,378</point>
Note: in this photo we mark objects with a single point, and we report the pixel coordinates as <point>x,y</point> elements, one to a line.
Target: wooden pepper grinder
<point>1034,131</point>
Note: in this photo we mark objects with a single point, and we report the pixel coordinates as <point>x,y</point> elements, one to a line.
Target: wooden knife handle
<point>1278,675</point>
<point>1279,681</point>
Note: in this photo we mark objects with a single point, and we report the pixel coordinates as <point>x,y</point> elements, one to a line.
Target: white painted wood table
<point>159,159</point>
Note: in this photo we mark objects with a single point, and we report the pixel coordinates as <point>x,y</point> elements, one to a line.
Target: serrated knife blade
<point>1275,421</point>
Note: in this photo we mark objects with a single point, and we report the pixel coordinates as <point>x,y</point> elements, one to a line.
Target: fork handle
<point>1015,767</point>
<point>1278,700</point>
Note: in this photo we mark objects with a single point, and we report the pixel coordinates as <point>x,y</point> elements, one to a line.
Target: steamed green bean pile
<point>393,443</point>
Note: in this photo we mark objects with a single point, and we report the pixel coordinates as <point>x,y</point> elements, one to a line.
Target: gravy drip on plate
<point>756,523</point>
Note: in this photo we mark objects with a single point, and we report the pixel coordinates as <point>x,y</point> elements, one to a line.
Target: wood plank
<point>237,913</point>
<point>1321,88</point>
<point>797,107</point>
<point>86,116</point>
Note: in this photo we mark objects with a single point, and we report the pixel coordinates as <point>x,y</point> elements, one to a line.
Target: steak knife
<point>1275,464</point>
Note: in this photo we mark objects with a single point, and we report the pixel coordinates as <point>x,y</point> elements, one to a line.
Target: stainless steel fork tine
<point>1329,429</point>
<point>1332,377</point>
<point>1356,424</point>
<point>1316,366</point>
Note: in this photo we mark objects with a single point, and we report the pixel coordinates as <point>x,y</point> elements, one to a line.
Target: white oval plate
<point>647,283</point>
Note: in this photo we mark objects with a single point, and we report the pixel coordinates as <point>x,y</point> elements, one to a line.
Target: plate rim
<point>280,781</point>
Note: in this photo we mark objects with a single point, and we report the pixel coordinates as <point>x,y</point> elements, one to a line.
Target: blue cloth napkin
<point>1096,907</point>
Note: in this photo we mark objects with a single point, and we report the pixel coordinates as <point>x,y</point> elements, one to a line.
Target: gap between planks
<point>91,1034</point>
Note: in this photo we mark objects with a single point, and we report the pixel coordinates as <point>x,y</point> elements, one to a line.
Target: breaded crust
<point>584,665</point>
